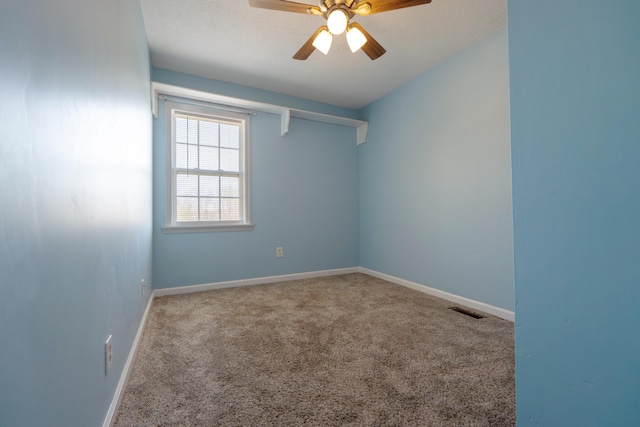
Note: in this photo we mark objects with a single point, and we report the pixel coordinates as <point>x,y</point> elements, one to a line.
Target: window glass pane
<point>181,155</point>
<point>229,209</point>
<point>229,160</point>
<point>209,209</point>
<point>229,136</point>
<point>186,185</point>
<point>193,157</point>
<point>209,158</point>
<point>181,129</point>
<point>192,136</point>
<point>210,186</point>
<point>208,133</point>
<point>229,186</point>
<point>186,208</point>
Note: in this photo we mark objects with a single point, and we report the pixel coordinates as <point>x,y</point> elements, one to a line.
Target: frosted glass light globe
<point>323,41</point>
<point>337,21</point>
<point>355,39</point>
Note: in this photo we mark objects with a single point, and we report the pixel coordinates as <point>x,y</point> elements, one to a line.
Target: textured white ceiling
<point>230,41</point>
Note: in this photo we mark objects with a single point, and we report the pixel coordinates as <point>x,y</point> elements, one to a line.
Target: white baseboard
<point>477,305</point>
<point>124,378</point>
<point>256,281</point>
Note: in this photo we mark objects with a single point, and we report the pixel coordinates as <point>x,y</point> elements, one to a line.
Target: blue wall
<point>435,183</point>
<point>75,191</point>
<point>245,92</point>
<point>304,190</point>
<point>575,108</point>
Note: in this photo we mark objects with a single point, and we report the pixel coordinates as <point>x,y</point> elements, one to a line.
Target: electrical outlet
<point>108,355</point>
<point>279,252</point>
<point>142,288</point>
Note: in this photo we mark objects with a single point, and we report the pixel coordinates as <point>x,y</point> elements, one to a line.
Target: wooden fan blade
<point>286,6</point>
<point>308,48</point>
<point>378,6</point>
<point>372,48</point>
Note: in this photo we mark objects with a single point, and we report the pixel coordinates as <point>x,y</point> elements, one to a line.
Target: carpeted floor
<point>332,351</point>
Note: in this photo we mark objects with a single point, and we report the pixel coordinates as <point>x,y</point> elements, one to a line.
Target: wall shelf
<point>285,113</point>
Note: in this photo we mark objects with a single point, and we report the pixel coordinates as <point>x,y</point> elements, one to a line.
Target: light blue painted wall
<point>575,108</point>
<point>245,92</point>
<point>304,190</point>
<point>75,195</point>
<point>435,183</point>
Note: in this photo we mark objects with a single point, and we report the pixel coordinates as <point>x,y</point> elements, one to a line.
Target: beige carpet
<point>333,351</point>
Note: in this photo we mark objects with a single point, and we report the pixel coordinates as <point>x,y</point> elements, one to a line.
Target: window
<point>208,174</point>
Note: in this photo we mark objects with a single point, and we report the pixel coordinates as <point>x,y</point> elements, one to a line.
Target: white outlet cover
<point>108,354</point>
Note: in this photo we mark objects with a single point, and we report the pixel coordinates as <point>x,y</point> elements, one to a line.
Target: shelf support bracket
<point>361,133</point>
<point>285,119</point>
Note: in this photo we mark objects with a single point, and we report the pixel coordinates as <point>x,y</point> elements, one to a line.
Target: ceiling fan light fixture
<point>355,39</point>
<point>338,13</point>
<point>337,21</point>
<point>323,41</point>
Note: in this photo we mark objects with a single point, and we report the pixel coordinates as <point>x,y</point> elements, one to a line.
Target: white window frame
<point>172,108</point>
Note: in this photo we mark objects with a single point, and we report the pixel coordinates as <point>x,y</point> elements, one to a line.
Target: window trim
<point>171,225</point>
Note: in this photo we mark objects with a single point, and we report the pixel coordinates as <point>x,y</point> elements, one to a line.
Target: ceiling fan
<point>338,13</point>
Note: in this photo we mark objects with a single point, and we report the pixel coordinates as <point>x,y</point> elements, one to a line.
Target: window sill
<point>174,229</point>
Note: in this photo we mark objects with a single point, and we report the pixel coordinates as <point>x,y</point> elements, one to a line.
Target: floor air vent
<point>467,312</point>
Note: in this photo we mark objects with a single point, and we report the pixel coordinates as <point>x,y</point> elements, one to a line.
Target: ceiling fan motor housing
<point>332,5</point>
